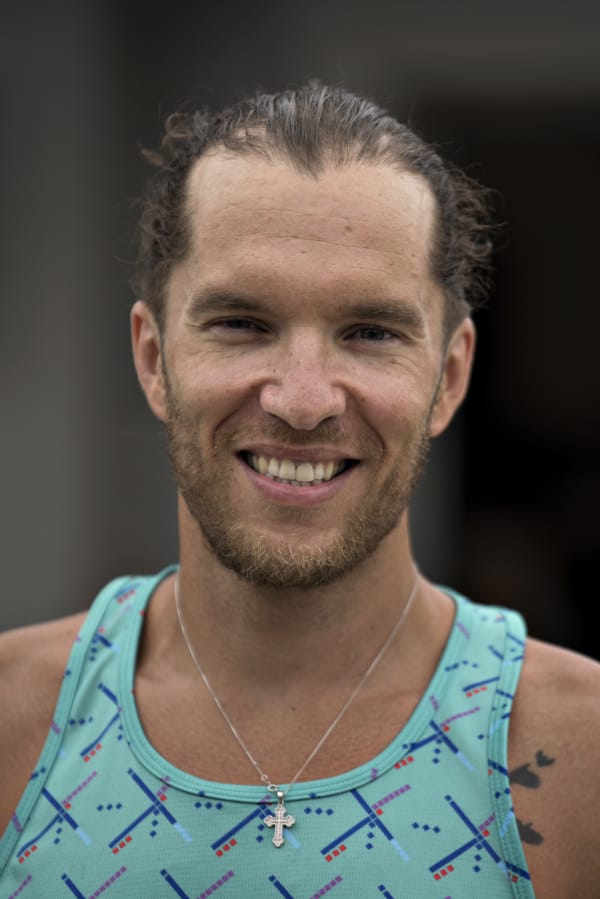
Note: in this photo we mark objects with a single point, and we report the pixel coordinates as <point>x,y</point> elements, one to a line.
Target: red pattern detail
<point>226,847</point>
<point>336,852</point>
<point>121,845</point>
<point>27,853</point>
<point>477,690</point>
<point>443,872</point>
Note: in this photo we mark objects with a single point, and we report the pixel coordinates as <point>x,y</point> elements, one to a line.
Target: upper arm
<point>32,663</point>
<point>553,746</point>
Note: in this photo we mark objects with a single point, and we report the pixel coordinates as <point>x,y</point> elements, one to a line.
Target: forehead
<point>360,227</point>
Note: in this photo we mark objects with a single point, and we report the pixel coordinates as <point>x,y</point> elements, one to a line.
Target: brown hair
<point>312,127</point>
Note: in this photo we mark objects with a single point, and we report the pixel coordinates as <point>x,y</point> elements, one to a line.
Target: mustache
<point>277,431</point>
<point>270,429</point>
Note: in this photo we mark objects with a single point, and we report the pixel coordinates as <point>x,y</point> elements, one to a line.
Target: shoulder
<point>32,663</point>
<point>558,685</point>
<point>553,740</point>
<point>558,702</point>
<point>31,656</point>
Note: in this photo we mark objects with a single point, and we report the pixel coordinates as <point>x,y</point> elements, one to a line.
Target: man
<point>295,709</point>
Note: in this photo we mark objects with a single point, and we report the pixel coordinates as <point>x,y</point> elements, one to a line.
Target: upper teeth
<point>286,470</point>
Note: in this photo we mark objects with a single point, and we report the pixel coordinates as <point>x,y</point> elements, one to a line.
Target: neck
<point>295,657</point>
<point>234,626</point>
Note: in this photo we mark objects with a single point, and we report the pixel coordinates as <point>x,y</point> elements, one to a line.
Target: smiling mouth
<point>303,474</point>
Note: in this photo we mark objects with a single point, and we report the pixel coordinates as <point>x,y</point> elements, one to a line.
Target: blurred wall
<point>512,91</point>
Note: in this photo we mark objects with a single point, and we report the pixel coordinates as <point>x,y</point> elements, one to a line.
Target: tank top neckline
<point>354,778</point>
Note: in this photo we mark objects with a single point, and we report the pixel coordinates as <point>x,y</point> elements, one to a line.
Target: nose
<point>302,389</point>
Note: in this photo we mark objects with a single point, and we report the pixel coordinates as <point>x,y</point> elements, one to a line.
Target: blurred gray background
<point>511,91</point>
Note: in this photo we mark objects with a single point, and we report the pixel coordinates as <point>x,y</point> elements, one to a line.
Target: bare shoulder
<point>554,735</point>
<point>557,705</point>
<point>32,664</point>
<point>557,687</point>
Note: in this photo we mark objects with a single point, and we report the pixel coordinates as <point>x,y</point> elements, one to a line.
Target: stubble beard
<point>262,558</point>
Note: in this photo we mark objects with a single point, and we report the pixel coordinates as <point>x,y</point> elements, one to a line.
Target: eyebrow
<point>392,312</point>
<point>385,311</point>
<point>223,301</point>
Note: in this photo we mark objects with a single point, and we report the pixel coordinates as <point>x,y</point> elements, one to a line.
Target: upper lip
<point>298,453</point>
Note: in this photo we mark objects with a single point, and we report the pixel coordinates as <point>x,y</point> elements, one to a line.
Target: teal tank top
<point>430,817</point>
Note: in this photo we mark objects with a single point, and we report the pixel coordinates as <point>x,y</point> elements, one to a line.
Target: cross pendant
<point>279,820</point>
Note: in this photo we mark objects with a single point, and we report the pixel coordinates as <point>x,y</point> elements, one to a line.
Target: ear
<point>455,376</point>
<point>147,357</point>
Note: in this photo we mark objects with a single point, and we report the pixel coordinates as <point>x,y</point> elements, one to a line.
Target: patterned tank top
<point>430,817</point>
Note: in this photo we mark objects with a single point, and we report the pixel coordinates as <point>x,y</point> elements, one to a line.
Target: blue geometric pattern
<point>430,816</point>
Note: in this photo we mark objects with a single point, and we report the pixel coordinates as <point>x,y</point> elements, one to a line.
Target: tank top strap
<point>496,638</point>
<point>99,629</point>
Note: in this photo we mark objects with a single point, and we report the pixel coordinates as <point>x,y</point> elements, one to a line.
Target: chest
<point>193,735</point>
<point>395,827</point>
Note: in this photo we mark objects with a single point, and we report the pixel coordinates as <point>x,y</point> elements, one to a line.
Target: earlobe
<point>455,376</point>
<point>147,357</point>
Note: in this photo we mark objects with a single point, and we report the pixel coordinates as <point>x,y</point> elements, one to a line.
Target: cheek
<point>395,410</point>
<point>207,390</point>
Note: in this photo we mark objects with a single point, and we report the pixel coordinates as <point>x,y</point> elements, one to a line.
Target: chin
<point>290,564</point>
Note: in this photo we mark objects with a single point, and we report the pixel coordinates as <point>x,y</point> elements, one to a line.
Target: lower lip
<point>289,495</point>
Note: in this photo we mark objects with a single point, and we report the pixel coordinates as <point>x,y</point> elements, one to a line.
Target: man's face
<point>302,354</point>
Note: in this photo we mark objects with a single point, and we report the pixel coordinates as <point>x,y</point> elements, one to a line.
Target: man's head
<point>298,345</point>
<point>311,128</point>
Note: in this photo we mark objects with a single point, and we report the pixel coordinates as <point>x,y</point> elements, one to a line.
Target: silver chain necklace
<point>280,820</point>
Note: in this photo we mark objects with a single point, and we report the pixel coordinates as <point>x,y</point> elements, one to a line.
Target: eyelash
<point>241,325</point>
<point>383,333</point>
<point>229,323</point>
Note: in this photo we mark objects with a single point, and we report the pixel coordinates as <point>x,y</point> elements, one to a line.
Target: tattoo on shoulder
<point>525,776</point>
<point>528,833</point>
<point>532,780</point>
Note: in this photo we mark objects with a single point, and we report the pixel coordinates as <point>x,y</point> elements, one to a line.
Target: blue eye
<point>372,333</point>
